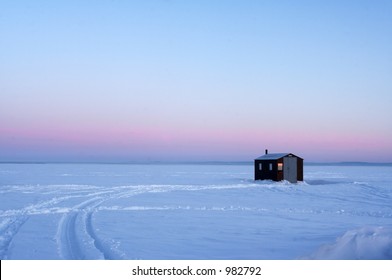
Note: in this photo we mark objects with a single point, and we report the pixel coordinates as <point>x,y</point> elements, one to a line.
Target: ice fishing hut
<point>278,167</point>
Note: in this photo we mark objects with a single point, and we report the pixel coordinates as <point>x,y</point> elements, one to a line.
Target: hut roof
<point>274,156</point>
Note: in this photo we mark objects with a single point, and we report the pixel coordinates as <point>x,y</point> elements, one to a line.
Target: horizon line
<point>212,162</point>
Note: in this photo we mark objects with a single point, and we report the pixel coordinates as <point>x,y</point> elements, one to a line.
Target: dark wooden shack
<point>278,167</point>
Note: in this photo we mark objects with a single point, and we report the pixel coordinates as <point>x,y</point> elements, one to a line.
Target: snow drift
<point>367,243</point>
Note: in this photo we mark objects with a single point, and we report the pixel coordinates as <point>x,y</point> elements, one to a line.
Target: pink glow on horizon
<point>197,142</point>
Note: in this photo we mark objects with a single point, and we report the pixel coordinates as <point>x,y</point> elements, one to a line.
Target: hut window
<point>280,166</point>
<point>270,166</point>
<point>260,166</point>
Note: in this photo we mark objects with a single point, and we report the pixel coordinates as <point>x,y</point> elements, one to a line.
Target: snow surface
<point>157,211</point>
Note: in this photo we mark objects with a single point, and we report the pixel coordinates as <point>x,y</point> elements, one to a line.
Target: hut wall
<point>266,173</point>
<point>300,169</point>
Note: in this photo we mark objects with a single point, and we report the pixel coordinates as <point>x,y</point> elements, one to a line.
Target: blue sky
<point>195,80</point>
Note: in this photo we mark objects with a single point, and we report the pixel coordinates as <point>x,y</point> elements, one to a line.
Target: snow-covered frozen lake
<point>158,211</point>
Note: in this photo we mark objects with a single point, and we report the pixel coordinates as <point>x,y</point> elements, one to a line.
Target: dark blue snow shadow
<point>316,182</point>
<point>270,183</point>
<point>283,182</point>
<point>324,182</point>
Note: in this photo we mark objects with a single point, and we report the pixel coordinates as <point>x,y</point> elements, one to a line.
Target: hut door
<point>290,169</point>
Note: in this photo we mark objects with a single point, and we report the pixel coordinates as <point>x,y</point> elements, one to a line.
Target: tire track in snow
<point>75,234</point>
<point>72,244</point>
<point>107,251</point>
<point>104,246</point>
<point>15,219</point>
<point>8,229</point>
<point>69,238</point>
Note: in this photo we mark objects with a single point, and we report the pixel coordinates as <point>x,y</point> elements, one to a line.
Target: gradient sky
<point>195,80</point>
